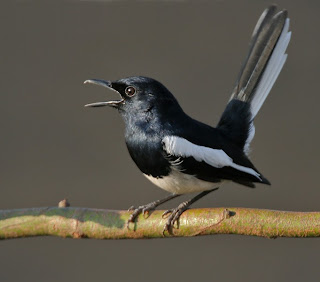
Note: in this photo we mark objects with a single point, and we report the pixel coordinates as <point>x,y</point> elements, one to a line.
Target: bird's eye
<point>130,91</point>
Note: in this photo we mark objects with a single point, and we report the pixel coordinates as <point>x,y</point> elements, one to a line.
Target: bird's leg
<point>176,213</point>
<point>146,208</point>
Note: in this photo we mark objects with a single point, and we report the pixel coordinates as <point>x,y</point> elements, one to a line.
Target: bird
<point>183,155</point>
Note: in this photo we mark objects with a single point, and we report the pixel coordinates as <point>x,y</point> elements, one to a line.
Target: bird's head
<point>137,94</point>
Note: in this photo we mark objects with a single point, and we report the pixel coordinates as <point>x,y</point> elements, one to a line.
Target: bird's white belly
<point>180,183</point>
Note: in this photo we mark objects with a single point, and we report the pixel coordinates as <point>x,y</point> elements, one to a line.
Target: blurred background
<point>54,148</point>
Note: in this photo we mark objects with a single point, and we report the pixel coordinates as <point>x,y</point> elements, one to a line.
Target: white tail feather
<point>272,70</point>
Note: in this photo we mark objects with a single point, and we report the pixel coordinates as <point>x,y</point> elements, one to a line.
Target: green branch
<point>108,224</point>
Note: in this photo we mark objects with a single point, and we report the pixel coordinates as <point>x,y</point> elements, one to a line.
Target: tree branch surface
<point>111,224</point>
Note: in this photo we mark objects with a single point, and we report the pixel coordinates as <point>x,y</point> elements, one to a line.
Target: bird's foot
<point>174,216</point>
<point>144,210</point>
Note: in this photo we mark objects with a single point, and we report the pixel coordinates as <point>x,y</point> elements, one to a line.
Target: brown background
<point>52,147</point>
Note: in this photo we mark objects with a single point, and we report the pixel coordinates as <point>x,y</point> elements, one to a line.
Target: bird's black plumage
<point>183,155</point>
<point>154,113</point>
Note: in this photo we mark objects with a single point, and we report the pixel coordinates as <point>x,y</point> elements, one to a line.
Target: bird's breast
<point>178,182</point>
<point>146,150</point>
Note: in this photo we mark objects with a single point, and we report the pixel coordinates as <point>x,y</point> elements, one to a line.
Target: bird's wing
<point>208,163</point>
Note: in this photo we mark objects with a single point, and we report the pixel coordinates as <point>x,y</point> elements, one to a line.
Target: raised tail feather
<point>258,74</point>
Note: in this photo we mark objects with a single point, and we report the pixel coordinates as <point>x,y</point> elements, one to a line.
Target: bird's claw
<point>132,208</point>
<point>173,218</point>
<point>166,213</point>
<point>144,210</point>
<point>146,213</point>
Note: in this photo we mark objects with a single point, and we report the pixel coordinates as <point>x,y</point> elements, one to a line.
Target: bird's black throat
<point>144,144</point>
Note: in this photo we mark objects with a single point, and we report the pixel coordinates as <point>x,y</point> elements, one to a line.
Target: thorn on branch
<point>64,203</point>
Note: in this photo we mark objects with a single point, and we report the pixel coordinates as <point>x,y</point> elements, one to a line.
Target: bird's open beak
<point>107,84</point>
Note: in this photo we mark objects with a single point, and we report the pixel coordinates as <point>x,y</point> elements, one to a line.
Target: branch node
<point>226,214</point>
<point>64,203</point>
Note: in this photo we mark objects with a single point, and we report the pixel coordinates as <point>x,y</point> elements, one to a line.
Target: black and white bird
<point>182,155</point>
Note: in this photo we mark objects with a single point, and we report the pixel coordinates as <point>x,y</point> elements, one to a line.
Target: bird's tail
<point>259,72</point>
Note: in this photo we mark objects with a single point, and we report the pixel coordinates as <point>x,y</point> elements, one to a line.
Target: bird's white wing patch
<point>180,147</point>
<point>272,70</point>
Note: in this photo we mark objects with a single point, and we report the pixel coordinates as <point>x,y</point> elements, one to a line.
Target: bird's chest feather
<point>145,146</point>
